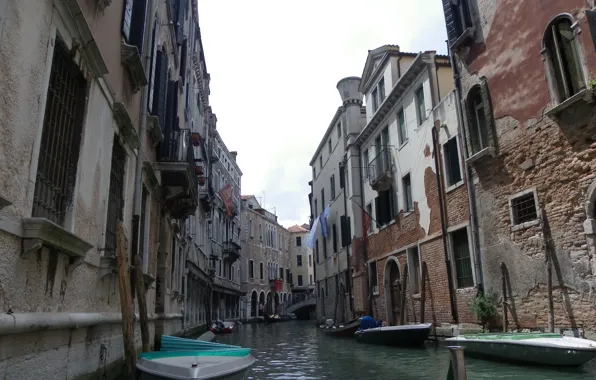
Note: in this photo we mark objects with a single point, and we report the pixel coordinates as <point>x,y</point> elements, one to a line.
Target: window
<point>144,229</point>
<point>463,261</point>
<point>298,241</point>
<point>334,234</point>
<point>414,269</point>
<point>330,147</point>
<point>402,132</point>
<point>381,87</point>
<point>332,183</point>
<point>251,269</point>
<point>250,230</point>
<point>261,269</point>
<point>375,100</point>
<point>260,233</point>
<point>372,277</point>
<point>311,282</point>
<point>365,164</point>
<point>457,18</point>
<point>385,207</point>
<point>281,273</point>
<point>316,206</point>
<point>314,172</point>
<point>407,189</point>
<point>310,260</point>
<point>61,138</point>
<point>369,212</point>
<point>524,208</point>
<point>322,200</point>
<point>339,129</point>
<point>477,117</point>
<point>288,276</point>
<point>321,162</point>
<point>452,164</point>
<point>565,65</point>
<point>299,280</point>
<point>317,250</point>
<point>420,105</point>
<point>299,260</point>
<point>116,195</point>
<point>133,23</point>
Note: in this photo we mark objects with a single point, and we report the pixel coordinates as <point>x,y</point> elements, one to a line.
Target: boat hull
<point>405,336</point>
<point>525,353</point>
<point>237,376</point>
<point>343,332</point>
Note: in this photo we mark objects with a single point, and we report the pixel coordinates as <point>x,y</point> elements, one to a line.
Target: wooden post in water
<point>140,286</point>
<point>130,352</point>
<point>457,368</point>
<point>504,290</point>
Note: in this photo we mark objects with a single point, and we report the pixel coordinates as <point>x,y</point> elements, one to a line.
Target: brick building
<point>411,126</point>
<point>524,76</point>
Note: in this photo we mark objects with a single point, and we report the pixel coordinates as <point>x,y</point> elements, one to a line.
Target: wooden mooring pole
<point>140,287</point>
<point>130,351</point>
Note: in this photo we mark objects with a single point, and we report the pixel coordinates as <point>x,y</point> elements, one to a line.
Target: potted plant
<point>484,306</point>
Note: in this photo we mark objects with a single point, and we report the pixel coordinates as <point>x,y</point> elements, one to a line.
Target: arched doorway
<point>261,302</point>
<point>253,304</point>
<point>392,291</point>
<point>277,305</point>
<point>269,304</point>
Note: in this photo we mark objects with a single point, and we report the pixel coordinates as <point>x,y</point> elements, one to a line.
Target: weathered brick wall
<point>562,164</point>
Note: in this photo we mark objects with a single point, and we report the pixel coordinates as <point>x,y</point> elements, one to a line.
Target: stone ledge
<point>466,37</point>
<point>132,60</point>
<point>488,151</point>
<point>568,110</point>
<point>127,128</point>
<point>38,232</point>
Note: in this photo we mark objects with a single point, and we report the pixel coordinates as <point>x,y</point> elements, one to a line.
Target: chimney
<point>234,154</point>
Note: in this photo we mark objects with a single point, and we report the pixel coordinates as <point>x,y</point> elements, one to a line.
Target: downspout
<point>364,247</point>
<point>444,225</point>
<point>468,176</point>
<point>349,273</point>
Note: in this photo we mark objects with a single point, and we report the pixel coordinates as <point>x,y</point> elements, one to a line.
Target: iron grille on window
<point>524,209</point>
<point>116,195</point>
<point>381,165</point>
<point>61,137</point>
<point>463,262</point>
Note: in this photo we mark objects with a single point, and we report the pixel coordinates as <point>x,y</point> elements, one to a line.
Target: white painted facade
<point>303,260</point>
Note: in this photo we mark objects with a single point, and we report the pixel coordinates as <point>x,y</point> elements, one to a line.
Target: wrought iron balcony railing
<point>380,167</point>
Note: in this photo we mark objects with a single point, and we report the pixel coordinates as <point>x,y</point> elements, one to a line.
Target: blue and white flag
<point>310,241</point>
<point>324,217</point>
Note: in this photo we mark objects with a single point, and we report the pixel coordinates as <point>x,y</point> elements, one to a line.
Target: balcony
<point>381,171</point>
<point>231,251</point>
<point>176,163</point>
<point>225,283</point>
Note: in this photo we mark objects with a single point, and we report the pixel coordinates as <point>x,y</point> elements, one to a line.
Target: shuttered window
<point>153,73</point>
<point>457,18</point>
<point>183,54</point>
<point>160,88</point>
<point>133,22</point>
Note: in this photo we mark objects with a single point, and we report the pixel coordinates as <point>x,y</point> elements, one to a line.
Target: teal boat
<point>534,348</point>
<point>187,359</point>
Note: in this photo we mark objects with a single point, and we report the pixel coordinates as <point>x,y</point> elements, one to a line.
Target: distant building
<point>303,278</point>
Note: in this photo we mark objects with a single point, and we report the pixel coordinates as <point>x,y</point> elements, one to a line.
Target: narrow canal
<point>296,350</point>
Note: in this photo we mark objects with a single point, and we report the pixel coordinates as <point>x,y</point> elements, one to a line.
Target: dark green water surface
<point>296,350</point>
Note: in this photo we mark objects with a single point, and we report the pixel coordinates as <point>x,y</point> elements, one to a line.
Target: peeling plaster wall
<point>562,164</point>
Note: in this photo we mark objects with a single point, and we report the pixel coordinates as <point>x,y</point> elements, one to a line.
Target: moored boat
<point>404,335</point>
<point>224,364</point>
<point>534,348</point>
<point>222,327</point>
<point>343,330</point>
<point>172,343</point>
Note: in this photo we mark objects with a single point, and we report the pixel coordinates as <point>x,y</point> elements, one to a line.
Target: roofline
<point>220,140</point>
<point>338,113</point>
<point>365,86</point>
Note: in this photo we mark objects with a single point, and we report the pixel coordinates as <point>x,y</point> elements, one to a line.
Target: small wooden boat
<point>224,364</point>
<point>272,318</point>
<point>343,330</point>
<point>535,348</point>
<point>226,328</point>
<point>404,335</point>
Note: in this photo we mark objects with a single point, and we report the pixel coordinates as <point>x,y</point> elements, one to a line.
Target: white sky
<point>274,65</point>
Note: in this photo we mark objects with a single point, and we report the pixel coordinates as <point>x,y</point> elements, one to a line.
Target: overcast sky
<point>274,65</point>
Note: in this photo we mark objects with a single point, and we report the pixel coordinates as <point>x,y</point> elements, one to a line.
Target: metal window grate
<point>524,209</point>
<point>61,137</point>
<point>463,262</point>
<point>116,195</point>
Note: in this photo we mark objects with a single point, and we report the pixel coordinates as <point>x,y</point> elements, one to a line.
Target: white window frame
<point>450,232</point>
<point>403,192</point>
<point>451,187</point>
<point>420,118</point>
<point>521,226</point>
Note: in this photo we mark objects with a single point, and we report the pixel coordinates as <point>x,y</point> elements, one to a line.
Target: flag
<point>310,241</point>
<point>226,195</point>
<point>323,218</point>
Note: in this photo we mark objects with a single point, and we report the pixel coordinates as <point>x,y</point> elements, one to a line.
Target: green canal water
<point>296,350</point>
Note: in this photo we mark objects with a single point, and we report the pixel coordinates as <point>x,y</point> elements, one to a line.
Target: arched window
<point>562,53</point>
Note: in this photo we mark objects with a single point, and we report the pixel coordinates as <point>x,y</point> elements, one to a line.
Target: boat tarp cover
<point>511,336</point>
<point>238,352</point>
<point>172,343</point>
<point>369,322</point>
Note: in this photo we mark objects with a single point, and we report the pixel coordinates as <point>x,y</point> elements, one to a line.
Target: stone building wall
<point>555,158</point>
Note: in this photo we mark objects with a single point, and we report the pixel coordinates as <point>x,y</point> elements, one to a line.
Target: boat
<point>533,348</point>
<point>272,318</point>
<point>343,330</point>
<point>404,335</point>
<point>222,327</point>
<point>223,364</point>
<point>172,343</point>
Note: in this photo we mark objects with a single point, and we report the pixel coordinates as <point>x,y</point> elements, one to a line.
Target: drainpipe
<point>364,247</point>
<point>349,274</point>
<point>468,176</point>
<point>147,48</point>
<point>435,136</point>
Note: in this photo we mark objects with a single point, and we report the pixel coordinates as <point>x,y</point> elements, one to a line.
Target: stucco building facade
<point>302,259</point>
<point>529,132</point>
<point>106,119</point>
<point>266,266</point>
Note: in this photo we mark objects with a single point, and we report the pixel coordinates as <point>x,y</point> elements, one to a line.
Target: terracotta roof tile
<point>297,228</point>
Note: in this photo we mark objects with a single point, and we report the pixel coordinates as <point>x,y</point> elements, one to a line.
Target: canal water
<point>296,350</point>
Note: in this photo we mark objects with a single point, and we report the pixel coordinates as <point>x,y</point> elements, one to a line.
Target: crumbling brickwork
<point>536,148</point>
